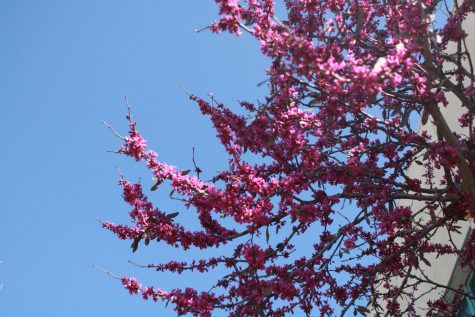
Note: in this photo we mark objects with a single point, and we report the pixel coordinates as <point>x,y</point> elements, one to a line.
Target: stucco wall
<point>444,269</point>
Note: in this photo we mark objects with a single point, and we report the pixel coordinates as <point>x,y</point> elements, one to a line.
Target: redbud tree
<point>333,141</point>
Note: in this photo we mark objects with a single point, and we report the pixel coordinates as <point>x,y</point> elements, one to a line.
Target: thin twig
<point>113,131</point>
<point>202,29</point>
<point>245,28</point>
<point>197,169</point>
<point>107,272</point>
<point>98,219</point>
<point>120,172</point>
<point>185,91</point>
<point>129,116</point>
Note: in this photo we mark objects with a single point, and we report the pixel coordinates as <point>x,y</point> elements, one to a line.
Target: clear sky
<point>64,67</point>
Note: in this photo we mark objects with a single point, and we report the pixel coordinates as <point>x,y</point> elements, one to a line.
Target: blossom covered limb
<point>335,143</point>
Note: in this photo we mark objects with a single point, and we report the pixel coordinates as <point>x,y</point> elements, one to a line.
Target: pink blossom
<point>316,210</point>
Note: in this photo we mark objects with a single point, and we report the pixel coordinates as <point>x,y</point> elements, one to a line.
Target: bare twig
<point>197,169</point>
<point>107,272</point>
<point>113,131</point>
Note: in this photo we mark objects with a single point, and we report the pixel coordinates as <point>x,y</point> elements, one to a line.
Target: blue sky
<point>65,66</point>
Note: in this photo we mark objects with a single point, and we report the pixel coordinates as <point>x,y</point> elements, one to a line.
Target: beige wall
<point>443,270</point>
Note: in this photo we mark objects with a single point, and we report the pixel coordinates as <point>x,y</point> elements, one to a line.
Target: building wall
<point>444,269</point>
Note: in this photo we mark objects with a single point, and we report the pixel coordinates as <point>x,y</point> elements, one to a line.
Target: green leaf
<point>185,172</point>
<point>135,244</point>
<point>366,218</point>
<point>154,187</point>
<point>363,310</point>
<point>425,260</point>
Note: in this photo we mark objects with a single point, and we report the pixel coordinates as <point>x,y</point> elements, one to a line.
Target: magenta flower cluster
<point>329,217</point>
